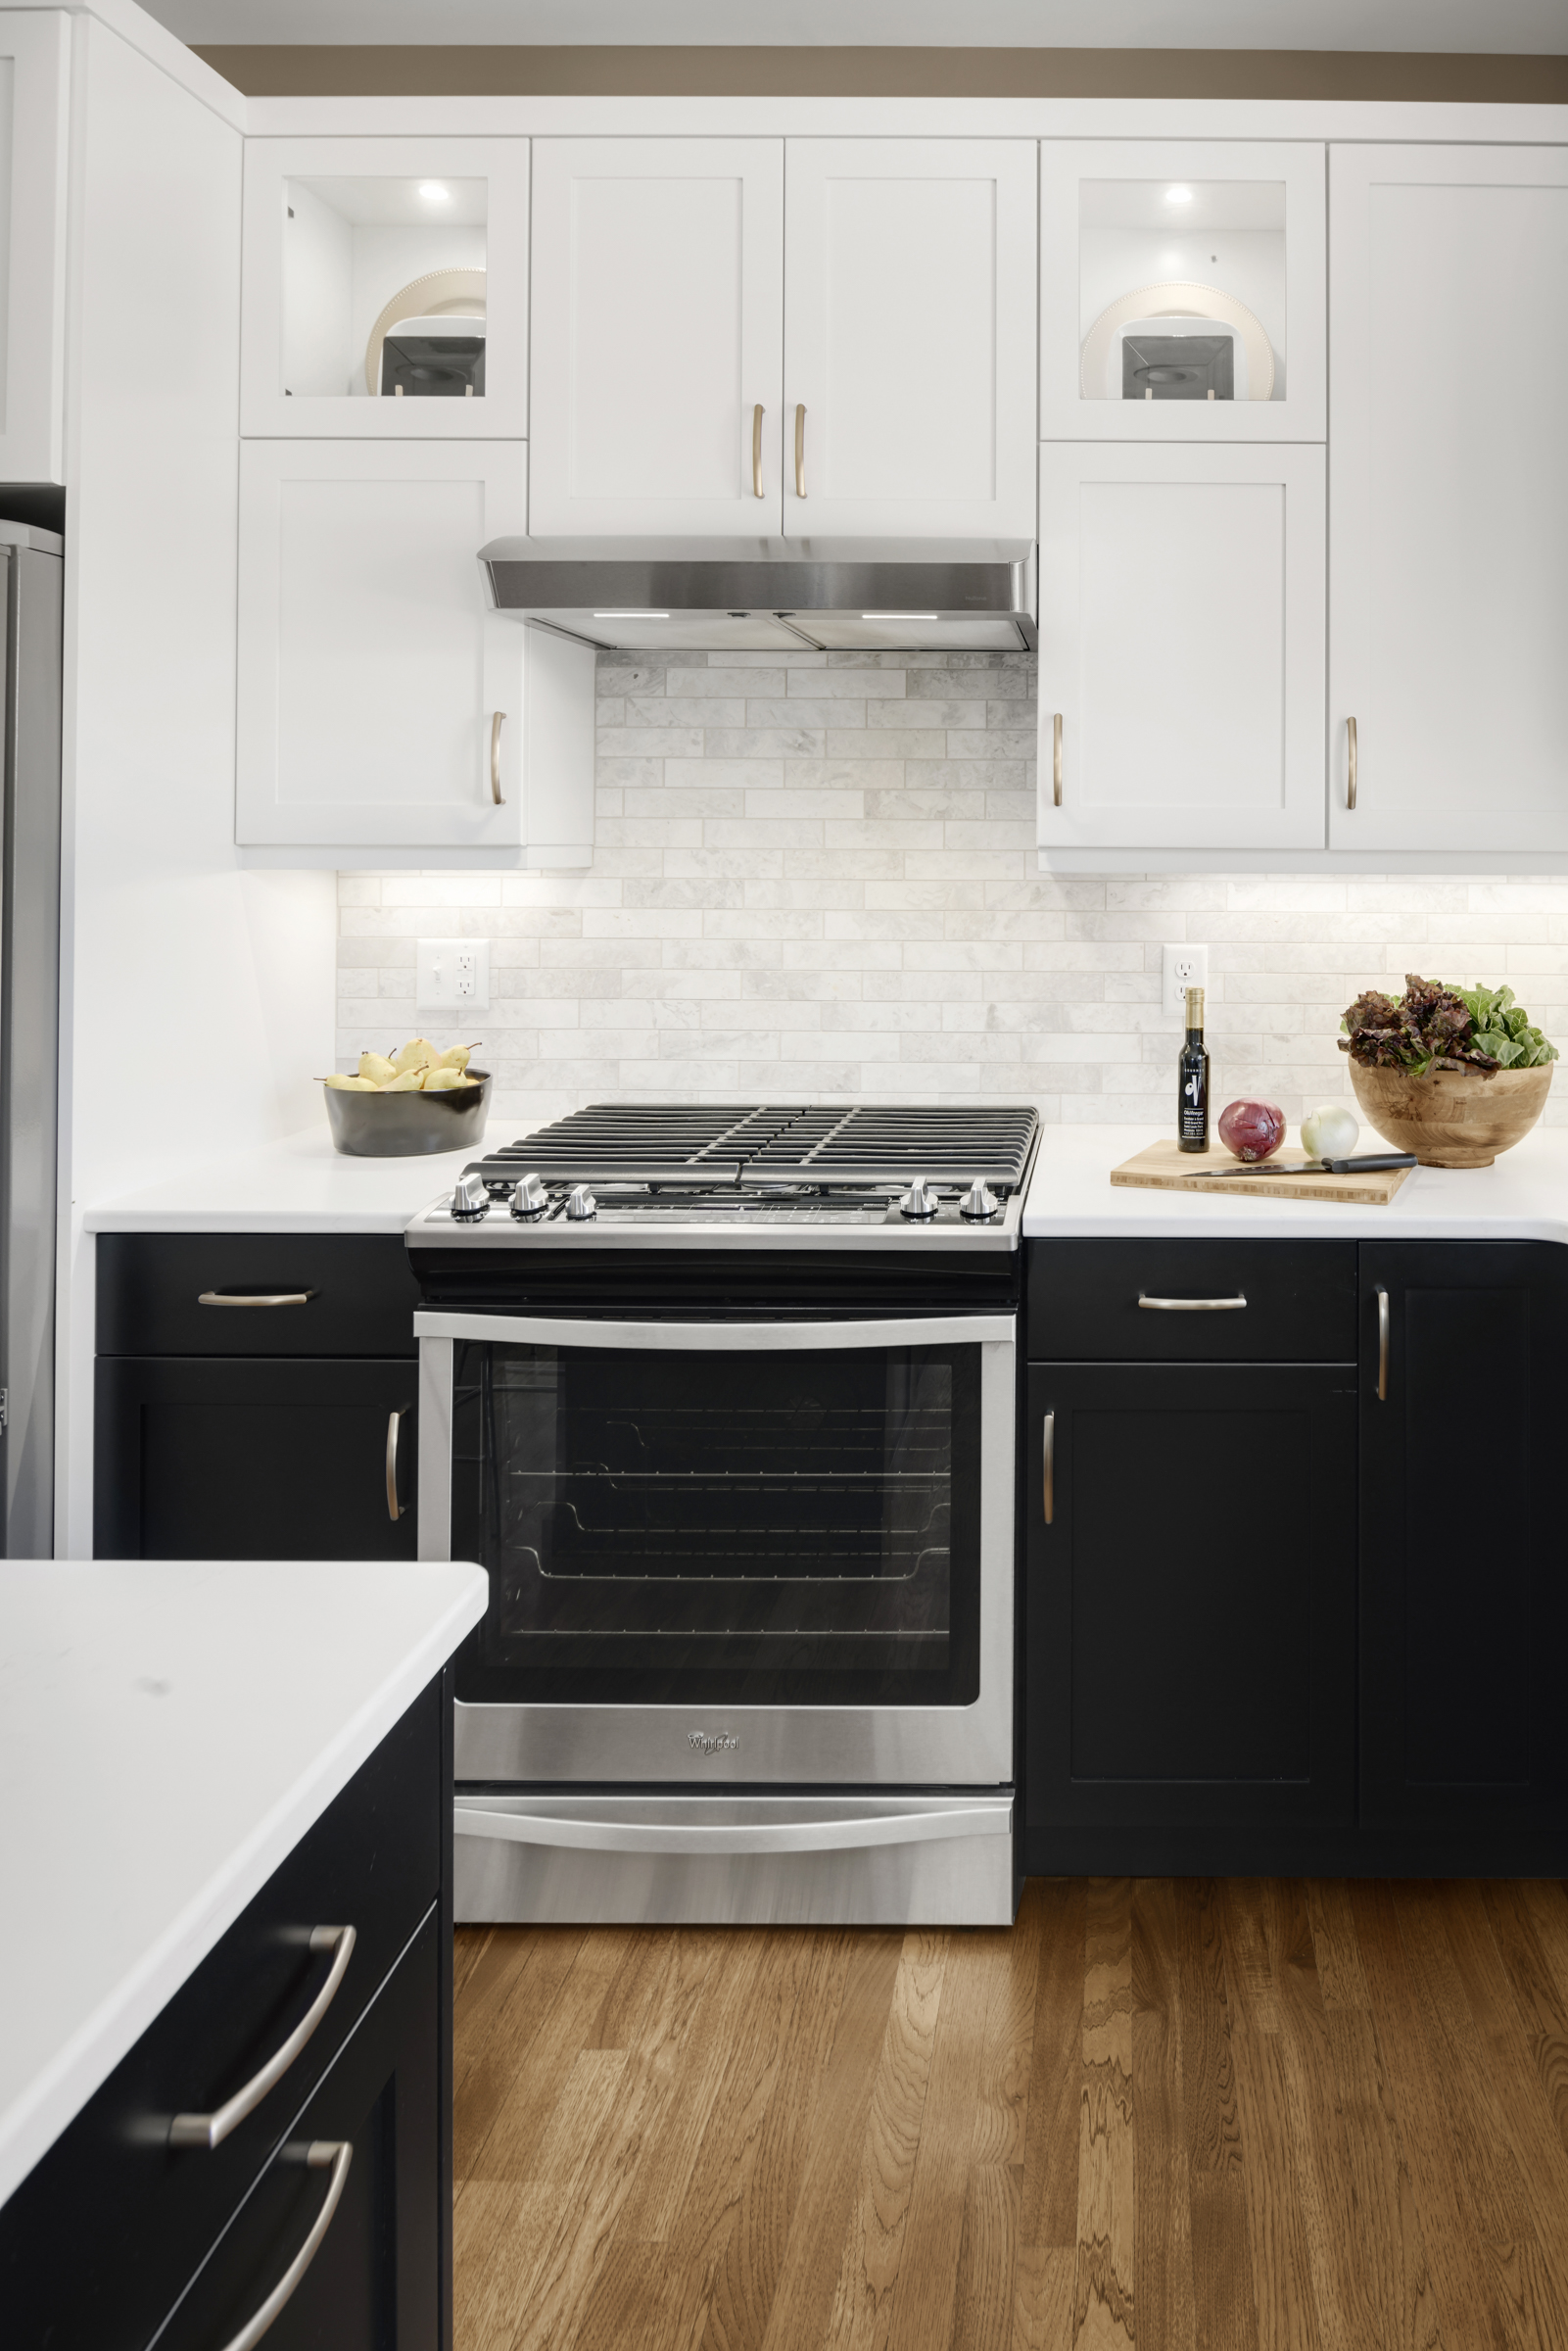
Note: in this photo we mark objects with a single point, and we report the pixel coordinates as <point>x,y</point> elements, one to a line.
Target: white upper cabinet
<point>909,340</point>
<point>381,705</point>
<point>34,91</point>
<point>1181,290</point>
<point>386,289</point>
<point>658,337</point>
<point>1182,648</point>
<point>1448,632</point>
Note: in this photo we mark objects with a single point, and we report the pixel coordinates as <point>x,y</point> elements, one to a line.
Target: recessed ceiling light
<point>1178,195</point>
<point>434,193</point>
<point>630,616</point>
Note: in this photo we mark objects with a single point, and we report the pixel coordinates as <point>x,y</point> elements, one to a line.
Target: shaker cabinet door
<point>1464,1561</point>
<point>910,358</point>
<point>381,705</point>
<point>1190,1606</point>
<point>34,95</point>
<point>1449,605</point>
<point>1182,648</point>
<point>657,337</point>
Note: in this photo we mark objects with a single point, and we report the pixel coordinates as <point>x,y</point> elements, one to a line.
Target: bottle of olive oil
<point>1192,1081</point>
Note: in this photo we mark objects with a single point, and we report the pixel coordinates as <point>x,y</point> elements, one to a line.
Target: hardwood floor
<point>1179,2115</point>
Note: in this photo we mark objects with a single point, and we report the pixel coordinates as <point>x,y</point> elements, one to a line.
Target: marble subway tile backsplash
<point>816,878</point>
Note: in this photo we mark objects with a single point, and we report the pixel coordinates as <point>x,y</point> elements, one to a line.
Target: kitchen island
<point>192,1752</point>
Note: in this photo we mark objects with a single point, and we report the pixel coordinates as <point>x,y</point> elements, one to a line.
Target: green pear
<point>375,1067</point>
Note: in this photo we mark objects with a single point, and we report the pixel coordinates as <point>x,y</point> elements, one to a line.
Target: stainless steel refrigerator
<point>31,567</point>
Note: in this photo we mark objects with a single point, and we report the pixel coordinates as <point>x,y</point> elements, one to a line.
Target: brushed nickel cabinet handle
<point>210,2129</point>
<point>1382,1346</point>
<point>320,2155</point>
<point>1056,760</point>
<point>1048,1467</point>
<point>498,721</point>
<point>255,1298</point>
<point>395,1508</point>
<point>1350,759</point>
<point>1192,1305</point>
<point>756,451</point>
<point>800,450</point>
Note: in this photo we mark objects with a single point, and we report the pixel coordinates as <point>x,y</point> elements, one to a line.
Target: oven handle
<point>546,1331</point>
<point>734,1837</point>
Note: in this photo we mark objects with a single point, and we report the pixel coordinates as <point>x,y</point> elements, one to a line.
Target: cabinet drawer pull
<point>756,452</point>
<point>256,1297</point>
<point>1048,1467</point>
<point>1382,1346</point>
<point>496,722</point>
<point>338,2153</point>
<point>1349,763</point>
<point>210,2129</point>
<point>1192,1305</point>
<point>395,1508</point>
<point>1056,760</point>
<point>800,450</point>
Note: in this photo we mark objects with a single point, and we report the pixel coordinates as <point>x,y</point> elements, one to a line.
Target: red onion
<point>1252,1129</point>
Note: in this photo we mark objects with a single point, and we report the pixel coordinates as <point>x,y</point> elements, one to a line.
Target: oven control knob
<point>979,1202</point>
<point>470,1201</point>
<point>529,1198</point>
<point>580,1204</point>
<point>920,1201</point>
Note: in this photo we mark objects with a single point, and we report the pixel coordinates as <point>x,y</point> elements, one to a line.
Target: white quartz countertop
<point>1522,1196</point>
<point>298,1185</point>
<point>169,1731</point>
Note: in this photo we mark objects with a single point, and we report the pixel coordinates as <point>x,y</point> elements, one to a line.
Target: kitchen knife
<point>1366,1165</point>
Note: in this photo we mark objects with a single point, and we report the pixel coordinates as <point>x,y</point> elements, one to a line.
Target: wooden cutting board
<point>1163,1168</point>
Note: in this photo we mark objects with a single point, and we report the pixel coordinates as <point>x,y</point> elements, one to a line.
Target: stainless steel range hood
<point>969,595</point>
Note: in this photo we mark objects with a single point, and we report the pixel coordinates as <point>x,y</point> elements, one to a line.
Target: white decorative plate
<point>440,293</point>
<point>1100,372</point>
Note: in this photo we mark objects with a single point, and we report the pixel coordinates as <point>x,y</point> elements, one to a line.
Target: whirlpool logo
<point>712,1743</point>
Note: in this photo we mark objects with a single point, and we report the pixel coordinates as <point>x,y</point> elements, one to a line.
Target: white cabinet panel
<point>1450,513</point>
<point>1182,648</point>
<point>909,304</point>
<point>1228,232</point>
<point>336,232</point>
<point>658,333</point>
<point>370,672</point>
<point>35,90</point>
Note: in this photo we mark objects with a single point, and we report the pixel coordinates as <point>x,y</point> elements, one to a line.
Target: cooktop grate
<point>749,1143</point>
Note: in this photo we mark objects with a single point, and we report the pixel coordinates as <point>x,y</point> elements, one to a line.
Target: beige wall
<point>369,71</point>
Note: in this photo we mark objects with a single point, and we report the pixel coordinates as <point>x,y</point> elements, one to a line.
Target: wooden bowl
<point>1452,1117</point>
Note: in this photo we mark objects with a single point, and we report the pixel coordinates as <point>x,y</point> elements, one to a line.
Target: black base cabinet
<point>1294,1574</point>
<point>1464,1536</point>
<point>118,2240</point>
<point>254,1396</point>
<point>1191,1601</point>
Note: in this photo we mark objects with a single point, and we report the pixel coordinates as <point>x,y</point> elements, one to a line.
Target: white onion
<point>1329,1132</point>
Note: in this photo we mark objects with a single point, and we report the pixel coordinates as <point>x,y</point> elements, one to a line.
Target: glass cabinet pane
<point>793,1527</point>
<point>383,288</point>
<point>1181,289</point>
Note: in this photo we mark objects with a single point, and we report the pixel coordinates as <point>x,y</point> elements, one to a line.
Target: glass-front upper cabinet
<point>1182,292</point>
<point>386,289</point>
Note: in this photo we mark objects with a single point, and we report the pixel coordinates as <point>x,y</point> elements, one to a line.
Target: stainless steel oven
<point>749,1652</point>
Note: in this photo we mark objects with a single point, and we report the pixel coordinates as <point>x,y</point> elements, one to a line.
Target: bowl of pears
<point>399,1105</point>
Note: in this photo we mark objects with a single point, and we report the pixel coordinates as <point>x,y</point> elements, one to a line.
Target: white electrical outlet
<point>1181,967</point>
<point>452,974</point>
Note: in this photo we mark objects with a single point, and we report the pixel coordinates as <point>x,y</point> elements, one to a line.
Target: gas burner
<point>778,1177</point>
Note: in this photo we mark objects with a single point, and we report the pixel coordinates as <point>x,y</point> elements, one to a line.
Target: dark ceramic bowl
<point>407,1126</point>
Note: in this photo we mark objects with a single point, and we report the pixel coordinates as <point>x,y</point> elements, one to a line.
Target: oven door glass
<point>790,1528</point>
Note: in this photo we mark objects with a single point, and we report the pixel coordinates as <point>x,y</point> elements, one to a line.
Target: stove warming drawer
<point>727,1860</point>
